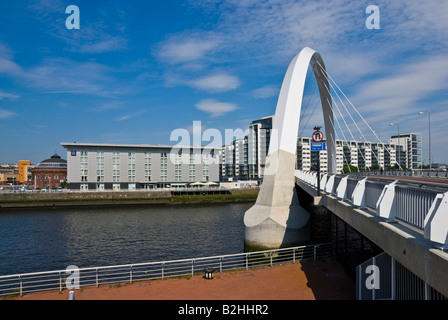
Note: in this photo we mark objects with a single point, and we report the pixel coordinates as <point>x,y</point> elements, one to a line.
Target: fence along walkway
<point>62,279</point>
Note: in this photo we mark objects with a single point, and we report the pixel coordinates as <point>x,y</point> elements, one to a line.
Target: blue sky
<point>137,70</point>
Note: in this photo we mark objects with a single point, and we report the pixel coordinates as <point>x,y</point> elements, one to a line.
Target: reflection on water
<point>52,239</point>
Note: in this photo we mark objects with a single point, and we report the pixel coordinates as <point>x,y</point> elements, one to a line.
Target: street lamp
<point>399,140</point>
<point>429,134</point>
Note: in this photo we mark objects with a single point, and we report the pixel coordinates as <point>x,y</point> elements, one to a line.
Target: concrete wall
<point>61,196</point>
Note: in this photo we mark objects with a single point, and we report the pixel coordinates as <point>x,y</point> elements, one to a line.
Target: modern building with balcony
<point>258,145</point>
<point>358,154</point>
<point>411,145</point>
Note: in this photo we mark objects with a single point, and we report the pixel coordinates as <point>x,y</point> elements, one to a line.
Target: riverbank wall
<point>125,198</point>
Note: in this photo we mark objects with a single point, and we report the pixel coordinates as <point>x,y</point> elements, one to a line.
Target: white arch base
<point>277,220</point>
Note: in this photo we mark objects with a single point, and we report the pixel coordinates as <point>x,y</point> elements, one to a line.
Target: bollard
<point>208,273</point>
<point>71,295</point>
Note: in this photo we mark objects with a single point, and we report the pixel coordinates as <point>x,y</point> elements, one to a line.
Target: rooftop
<point>72,145</point>
<point>54,162</point>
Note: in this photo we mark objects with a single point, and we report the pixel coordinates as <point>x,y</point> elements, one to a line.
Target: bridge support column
<point>277,219</point>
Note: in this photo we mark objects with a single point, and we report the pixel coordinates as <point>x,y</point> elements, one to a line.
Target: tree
<point>348,169</point>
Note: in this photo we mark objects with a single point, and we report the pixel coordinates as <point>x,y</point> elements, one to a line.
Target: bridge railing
<point>383,278</point>
<point>420,204</point>
<point>412,204</point>
<point>20,284</point>
<point>426,173</point>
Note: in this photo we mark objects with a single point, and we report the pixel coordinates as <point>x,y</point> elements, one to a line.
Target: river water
<point>36,240</point>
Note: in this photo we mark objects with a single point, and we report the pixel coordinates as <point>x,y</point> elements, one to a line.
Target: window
<point>163,167</point>
<point>131,167</point>
<point>100,166</point>
<point>192,169</point>
<point>178,168</point>
<point>116,187</point>
<point>84,187</point>
<point>56,177</point>
<point>116,167</point>
<point>84,166</point>
<point>205,166</point>
<point>147,166</point>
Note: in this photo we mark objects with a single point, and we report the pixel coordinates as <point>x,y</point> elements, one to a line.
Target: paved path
<point>312,280</point>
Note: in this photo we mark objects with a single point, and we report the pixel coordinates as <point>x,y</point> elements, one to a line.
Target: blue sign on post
<point>318,146</point>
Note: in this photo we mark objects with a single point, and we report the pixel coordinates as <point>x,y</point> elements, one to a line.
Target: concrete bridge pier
<point>277,219</point>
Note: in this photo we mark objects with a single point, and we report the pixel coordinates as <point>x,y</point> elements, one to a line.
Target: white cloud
<point>184,49</point>
<point>217,82</point>
<point>5,114</point>
<point>124,117</point>
<point>8,66</point>
<point>404,88</point>
<point>64,74</point>
<point>59,75</point>
<point>129,115</point>
<point>5,95</point>
<point>101,46</point>
<point>266,92</point>
<point>215,108</point>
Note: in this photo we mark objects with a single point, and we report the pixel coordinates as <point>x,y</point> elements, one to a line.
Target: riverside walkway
<point>307,280</point>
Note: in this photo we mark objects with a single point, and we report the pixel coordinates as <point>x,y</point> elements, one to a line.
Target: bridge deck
<point>405,244</point>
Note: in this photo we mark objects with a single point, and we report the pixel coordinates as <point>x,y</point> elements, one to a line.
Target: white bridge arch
<point>277,220</point>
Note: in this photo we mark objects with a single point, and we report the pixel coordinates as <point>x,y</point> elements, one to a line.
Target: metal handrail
<point>413,198</point>
<point>129,273</point>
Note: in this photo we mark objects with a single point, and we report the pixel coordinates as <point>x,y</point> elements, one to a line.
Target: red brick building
<point>50,173</point>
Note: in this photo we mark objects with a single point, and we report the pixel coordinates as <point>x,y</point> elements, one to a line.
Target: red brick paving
<point>301,281</point>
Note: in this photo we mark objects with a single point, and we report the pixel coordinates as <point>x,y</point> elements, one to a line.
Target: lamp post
<point>317,128</point>
<point>429,135</point>
<point>399,141</point>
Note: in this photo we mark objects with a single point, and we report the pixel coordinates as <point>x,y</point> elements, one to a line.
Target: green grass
<point>245,196</point>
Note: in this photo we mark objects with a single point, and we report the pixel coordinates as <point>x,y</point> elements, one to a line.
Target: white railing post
<point>358,196</point>
<point>329,185</point>
<point>314,179</point>
<point>20,286</point>
<point>96,278</point>
<point>436,221</point>
<point>385,206</point>
<point>323,181</point>
<point>341,190</point>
